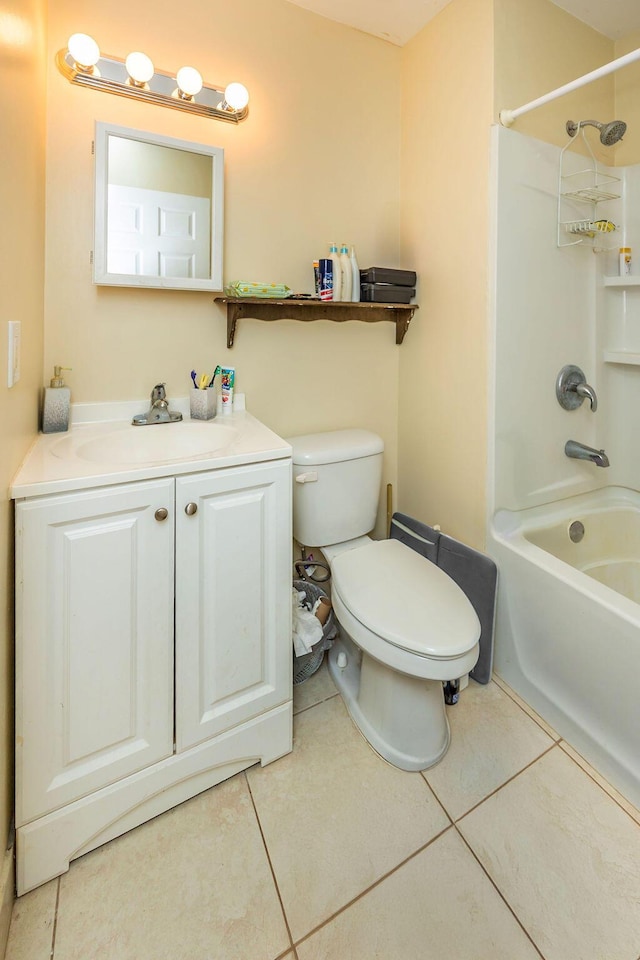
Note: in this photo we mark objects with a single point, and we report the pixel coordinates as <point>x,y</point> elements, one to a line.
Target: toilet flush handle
<point>310,477</point>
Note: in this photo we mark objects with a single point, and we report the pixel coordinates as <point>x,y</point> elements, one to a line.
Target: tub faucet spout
<point>579,451</point>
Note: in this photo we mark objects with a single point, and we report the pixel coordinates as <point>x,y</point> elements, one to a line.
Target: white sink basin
<point>165,442</point>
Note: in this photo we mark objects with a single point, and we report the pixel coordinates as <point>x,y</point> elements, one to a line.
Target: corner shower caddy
<point>585,189</point>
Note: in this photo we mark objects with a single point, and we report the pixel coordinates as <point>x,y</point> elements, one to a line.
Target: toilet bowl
<point>405,625</point>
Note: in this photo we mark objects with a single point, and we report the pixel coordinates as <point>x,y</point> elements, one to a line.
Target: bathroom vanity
<point>153,638</point>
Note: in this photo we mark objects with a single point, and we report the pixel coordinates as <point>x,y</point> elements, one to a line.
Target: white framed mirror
<point>158,211</point>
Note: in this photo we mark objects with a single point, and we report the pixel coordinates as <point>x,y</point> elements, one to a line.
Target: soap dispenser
<point>57,404</point>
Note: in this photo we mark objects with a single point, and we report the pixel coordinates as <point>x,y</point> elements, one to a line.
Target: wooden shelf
<point>239,308</point>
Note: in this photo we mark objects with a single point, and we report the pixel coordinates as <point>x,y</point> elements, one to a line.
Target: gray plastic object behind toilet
<point>474,572</point>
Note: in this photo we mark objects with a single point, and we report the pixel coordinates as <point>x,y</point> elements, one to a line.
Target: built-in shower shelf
<point>622,356</point>
<point>622,281</point>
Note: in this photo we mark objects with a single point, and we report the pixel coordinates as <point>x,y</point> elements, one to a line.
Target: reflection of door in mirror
<point>154,226</point>
<point>158,211</point>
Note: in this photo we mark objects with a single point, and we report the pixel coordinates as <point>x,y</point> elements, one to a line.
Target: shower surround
<point>569,643</point>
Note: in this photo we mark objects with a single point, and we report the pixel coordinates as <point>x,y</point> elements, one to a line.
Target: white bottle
<point>625,261</point>
<point>355,277</point>
<point>337,271</point>
<point>345,271</point>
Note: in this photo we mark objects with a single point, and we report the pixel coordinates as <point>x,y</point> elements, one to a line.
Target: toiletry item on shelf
<point>57,404</point>
<point>337,273</point>
<point>345,272</point>
<point>316,278</point>
<point>228,379</point>
<point>387,285</point>
<point>326,279</point>
<point>625,261</point>
<point>262,291</point>
<point>402,278</point>
<point>355,277</point>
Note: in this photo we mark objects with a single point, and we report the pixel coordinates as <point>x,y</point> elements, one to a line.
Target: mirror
<point>159,211</point>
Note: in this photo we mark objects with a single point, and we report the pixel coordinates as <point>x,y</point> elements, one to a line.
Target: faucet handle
<point>158,393</point>
<point>572,388</point>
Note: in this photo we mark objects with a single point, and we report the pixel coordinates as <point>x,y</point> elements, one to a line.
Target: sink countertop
<point>44,472</point>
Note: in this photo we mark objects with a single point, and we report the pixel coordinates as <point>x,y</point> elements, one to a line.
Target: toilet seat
<point>404,611</point>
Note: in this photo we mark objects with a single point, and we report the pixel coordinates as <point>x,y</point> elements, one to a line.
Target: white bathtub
<point>568,623</point>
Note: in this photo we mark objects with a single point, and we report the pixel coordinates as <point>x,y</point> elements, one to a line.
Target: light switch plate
<point>13,352</point>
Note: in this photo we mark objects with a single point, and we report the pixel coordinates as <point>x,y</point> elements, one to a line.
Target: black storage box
<point>401,278</point>
<point>385,293</point>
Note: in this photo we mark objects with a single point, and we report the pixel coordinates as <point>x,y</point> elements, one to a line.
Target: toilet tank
<point>336,485</point>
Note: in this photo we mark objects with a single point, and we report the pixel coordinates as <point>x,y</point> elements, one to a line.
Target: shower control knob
<point>191,509</point>
<point>161,513</point>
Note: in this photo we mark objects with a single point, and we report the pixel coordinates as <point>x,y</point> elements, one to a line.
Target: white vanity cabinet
<point>101,658</point>
<point>94,658</point>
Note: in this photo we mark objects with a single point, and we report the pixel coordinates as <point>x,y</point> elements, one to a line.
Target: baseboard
<point>7,895</point>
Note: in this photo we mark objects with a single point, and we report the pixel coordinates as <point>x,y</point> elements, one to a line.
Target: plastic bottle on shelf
<point>625,261</point>
<point>355,277</point>
<point>337,271</point>
<point>345,272</point>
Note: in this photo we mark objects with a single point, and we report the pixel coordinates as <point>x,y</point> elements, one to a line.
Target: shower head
<point>610,133</point>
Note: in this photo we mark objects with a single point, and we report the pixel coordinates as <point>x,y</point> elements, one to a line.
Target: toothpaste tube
<point>228,379</point>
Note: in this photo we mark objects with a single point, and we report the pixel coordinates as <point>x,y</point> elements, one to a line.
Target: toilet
<point>405,626</point>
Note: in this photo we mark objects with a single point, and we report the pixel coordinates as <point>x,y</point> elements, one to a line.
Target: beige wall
<point>447,111</point>
<point>539,47</point>
<point>627,86</point>
<point>22,29</point>
<point>317,159</point>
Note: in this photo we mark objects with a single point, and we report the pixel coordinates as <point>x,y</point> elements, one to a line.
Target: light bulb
<point>189,82</point>
<point>236,96</point>
<point>84,50</point>
<point>139,67</point>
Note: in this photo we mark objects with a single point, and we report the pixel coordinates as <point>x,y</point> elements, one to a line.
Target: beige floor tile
<point>632,810</point>
<point>335,816</point>
<point>31,930</point>
<point>565,857</point>
<point>317,688</point>
<point>192,884</point>
<point>491,740</point>
<point>525,706</point>
<point>438,905</point>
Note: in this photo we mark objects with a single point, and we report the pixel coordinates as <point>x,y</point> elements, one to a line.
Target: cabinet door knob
<point>161,513</point>
<point>191,509</point>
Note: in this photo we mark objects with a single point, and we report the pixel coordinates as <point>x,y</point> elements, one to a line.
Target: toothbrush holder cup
<point>202,403</point>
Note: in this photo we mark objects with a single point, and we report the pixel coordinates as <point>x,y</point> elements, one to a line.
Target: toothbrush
<point>193,377</point>
<point>215,373</point>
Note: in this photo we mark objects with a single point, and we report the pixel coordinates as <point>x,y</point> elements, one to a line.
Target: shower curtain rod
<point>508,117</point>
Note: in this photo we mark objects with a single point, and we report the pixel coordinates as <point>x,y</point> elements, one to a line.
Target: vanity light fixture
<point>82,63</point>
<point>140,69</point>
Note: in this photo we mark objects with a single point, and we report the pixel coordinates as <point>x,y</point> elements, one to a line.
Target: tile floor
<point>511,848</point>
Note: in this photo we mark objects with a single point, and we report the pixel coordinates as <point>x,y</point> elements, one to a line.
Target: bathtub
<point>568,622</point>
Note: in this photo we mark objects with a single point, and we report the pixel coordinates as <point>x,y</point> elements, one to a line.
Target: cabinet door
<point>94,650</point>
<point>233,597</point>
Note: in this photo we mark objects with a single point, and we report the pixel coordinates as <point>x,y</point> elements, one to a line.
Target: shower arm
<point>508,117</point>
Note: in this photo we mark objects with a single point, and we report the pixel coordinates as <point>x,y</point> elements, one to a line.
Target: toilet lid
<point>406,599</point>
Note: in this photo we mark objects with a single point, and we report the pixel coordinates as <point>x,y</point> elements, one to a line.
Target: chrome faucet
<point>572,388</point>
<point>586,392</point>
<point>579,451</point>
<point>159,410</point>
